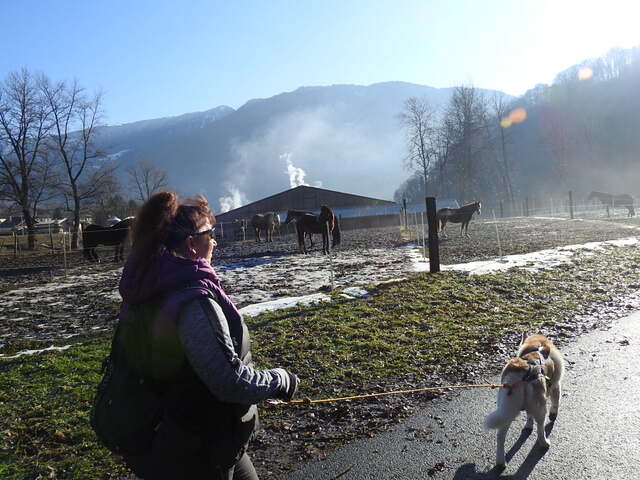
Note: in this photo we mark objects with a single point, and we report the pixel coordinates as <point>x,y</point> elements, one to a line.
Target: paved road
<point>596,436</point>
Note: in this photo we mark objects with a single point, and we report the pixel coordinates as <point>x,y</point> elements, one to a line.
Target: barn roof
<point>362,200</point>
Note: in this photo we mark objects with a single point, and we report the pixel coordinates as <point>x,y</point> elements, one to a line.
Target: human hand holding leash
<point>289,385</point>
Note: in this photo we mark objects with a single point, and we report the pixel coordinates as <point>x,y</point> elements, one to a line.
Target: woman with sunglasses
<point>210,386</point>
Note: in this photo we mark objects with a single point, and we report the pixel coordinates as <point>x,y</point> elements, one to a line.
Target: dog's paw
<point>544,443</point>
<point>553,416</point>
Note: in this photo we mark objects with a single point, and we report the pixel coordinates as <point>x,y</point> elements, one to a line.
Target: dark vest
<point>194,424</point>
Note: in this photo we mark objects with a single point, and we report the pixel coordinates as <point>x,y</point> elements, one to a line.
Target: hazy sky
<point>155,58</point>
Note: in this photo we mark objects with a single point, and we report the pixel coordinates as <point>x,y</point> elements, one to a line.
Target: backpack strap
<point>196,286</point>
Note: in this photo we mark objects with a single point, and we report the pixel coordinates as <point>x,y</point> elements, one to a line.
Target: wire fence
<point>53,249</point>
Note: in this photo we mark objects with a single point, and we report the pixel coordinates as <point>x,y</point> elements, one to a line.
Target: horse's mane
<point>468,206</point>
<point>326,215</point>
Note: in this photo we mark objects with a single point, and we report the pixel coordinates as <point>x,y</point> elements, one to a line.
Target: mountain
<point>342,137</point>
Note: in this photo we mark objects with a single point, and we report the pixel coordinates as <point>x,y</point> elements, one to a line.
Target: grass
<point>404,333</point>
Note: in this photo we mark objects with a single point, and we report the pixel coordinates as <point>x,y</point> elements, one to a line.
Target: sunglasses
<point>211,232</point>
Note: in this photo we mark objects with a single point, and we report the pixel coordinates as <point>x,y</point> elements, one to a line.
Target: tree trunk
<point>76,216</point>
<point>31,228</point>
<point>76,227</point>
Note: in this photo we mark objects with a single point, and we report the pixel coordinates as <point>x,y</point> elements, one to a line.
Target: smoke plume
<point>296,174</point>
<point>235,199</point>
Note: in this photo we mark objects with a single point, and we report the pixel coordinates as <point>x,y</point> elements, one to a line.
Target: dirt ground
<point>41,306</point>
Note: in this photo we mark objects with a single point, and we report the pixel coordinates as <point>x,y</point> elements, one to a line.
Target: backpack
<point>146,353</point>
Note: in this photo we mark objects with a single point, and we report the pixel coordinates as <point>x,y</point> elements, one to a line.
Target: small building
<point>14,224</point>
<point>47,225</point>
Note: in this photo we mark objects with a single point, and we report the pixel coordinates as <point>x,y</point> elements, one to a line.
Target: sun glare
<point>585,73</point>
<point>517,115</point>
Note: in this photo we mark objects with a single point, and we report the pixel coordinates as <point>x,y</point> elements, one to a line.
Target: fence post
<point>15,245</point>
<point>497,233</point>
<point>526,206</point>
<point>404,208</point>
<point>64,250</point>
<point>570,204</point>
<point>424,244</point>
<point>434,249</point>
<point>501,210</point>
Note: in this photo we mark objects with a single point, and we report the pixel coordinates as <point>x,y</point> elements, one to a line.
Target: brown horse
<point>324,224</point>
<point>612,201</point>
<point>267,221</point>
<point>240,228</point>
<point>461,215</point>
<point>293,215</point>
<point>115,235</point>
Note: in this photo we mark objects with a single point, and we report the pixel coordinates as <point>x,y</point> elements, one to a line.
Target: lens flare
<point>505,122</point>
<point>517,115</point>
<point>585,73</point>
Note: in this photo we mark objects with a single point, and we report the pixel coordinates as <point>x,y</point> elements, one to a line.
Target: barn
<point>354,211</point>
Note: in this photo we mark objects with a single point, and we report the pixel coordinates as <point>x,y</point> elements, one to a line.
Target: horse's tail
<point>336,234</point>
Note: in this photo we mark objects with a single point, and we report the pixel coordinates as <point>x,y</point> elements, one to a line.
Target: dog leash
<point>307,400</point>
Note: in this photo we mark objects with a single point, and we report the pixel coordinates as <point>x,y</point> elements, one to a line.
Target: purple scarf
<point>167,277</point>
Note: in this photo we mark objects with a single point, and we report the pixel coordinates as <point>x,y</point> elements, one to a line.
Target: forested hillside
<point>579,134</point>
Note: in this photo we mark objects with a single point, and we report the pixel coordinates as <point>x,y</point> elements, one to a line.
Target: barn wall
<point>379,221</point>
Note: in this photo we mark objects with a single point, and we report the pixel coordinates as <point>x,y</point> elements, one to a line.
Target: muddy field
<point>43,306</point>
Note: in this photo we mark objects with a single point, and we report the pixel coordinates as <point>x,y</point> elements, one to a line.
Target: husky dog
<point>528,380</point>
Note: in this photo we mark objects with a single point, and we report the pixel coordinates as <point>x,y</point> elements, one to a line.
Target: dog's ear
<point>522,338</point>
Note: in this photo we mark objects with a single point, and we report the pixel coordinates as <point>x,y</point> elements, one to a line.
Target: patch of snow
<point>418,261</point>
<point>32,352</point>
<point>115,156</point>
<point>355,292</point>
<point>285,302</point>
<point>555,218</point>
<point>536,261</point>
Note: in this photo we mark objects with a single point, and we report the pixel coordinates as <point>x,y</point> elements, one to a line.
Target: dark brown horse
<point>293,215</point>
<point>115,235</point>
<point>461,215</point>
<point>267,221</point>
<point>623,200</point>
<point>324,224</point>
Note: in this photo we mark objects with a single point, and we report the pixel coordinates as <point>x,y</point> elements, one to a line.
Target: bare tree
<point>76,119</point>
<point>146,178</point>
<point>444,148</point>
<point>418,119</point>
<point>557,133</point>
<point>500,110</point>
<point>465,122</point>
<point>25,122</point>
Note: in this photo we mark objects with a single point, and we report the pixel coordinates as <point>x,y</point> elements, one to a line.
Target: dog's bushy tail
<point>495,420</point>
